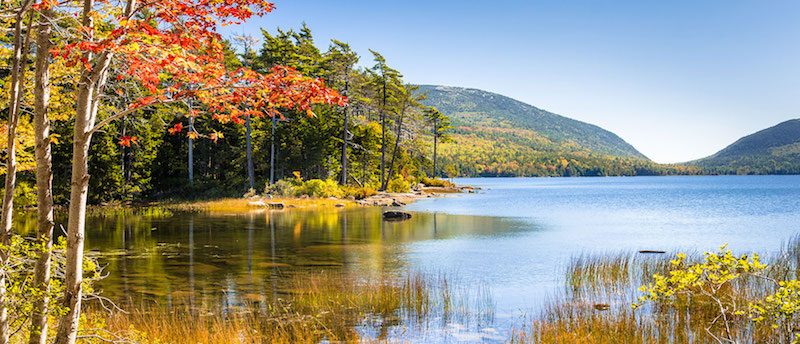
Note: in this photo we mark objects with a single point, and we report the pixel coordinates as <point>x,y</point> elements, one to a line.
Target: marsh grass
<point>599,290</point>
<point>313,308</point>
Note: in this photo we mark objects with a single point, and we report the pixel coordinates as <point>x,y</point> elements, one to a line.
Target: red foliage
<point>170,49</point>
<point>127,140</point>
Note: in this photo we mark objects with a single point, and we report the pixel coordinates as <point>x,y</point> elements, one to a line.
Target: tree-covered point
<point>382,134</point>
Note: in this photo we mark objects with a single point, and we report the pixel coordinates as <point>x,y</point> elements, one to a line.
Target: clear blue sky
<point>679,80</point>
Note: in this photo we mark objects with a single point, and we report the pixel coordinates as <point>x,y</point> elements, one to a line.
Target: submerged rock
<point>602,306</point>
<point>396,216</point>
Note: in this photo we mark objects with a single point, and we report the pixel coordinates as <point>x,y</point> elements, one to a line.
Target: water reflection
<point>210,260</point>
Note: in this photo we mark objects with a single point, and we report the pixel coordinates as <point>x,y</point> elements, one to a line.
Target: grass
<point>318,307</point>
<point>599,290</point>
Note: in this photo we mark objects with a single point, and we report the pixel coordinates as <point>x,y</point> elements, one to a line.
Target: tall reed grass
<point>599,290</point>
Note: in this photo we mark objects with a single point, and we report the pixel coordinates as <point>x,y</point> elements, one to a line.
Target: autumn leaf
<point>192,135</point>
<point>216,136</point>
<point>176,129</point>
<point>127,140</point>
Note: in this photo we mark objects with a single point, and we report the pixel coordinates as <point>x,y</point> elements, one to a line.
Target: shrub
<point>436,182</point>
<point>250,193</point>
<point>398,184</point>
<point>358,192</point>
<point>282,187</point>
<point>21,291</point>
<point>319,188</point>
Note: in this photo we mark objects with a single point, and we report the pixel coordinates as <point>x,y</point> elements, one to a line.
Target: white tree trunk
<point>44,178</point>
<point>15,98</point>
<point>90,88</point>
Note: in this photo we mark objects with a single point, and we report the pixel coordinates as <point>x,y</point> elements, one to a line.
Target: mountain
<point>495,135</point>
<point>775,150</point>
<point>477,108</point>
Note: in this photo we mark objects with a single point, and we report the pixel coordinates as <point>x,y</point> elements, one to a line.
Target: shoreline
<point>261,203</point>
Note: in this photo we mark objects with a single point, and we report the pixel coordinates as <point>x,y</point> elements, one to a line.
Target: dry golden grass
<point>318,307</point>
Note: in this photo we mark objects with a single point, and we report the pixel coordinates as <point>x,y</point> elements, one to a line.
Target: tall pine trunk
<point>435,140</point>
<point>344,137</point>
<point>44,177</point>
<point>396,147</point>
<point>15,99</point>
<point>248,134</point>
<point>383,138</point>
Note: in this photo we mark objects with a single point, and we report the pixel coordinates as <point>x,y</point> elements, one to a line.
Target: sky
<point>679,80</point>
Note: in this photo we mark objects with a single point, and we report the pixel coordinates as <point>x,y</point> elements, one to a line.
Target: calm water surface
<point>513,237</point>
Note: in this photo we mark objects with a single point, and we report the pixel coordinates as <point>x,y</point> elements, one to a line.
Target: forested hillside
<point>495,135</point>
<point>775,150</point>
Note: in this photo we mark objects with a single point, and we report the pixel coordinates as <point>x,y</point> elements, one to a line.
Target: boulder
<point>396,216</point>
<point>259,204</point>
<point>276,205</point>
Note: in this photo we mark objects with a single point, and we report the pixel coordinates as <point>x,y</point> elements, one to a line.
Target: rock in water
<point>277,205</point>
<point>396,216</point>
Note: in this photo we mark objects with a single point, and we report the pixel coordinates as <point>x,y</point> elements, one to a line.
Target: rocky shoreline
<point>395,199</point>
<point>381,199</point>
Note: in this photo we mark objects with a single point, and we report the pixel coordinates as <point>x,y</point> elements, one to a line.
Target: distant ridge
<point>499,136</point>
<point>775,150</point>
<point>478,108</point>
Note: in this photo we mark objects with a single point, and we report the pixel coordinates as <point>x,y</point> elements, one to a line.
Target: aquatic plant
<point>693,298</point>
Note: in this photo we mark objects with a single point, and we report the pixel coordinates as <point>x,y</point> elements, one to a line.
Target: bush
<point>398,184</point>
<point>436,182</point>
<point>21,291</point>
<point>319,188</point>
<point>358,192</point>
<point>282,187</point>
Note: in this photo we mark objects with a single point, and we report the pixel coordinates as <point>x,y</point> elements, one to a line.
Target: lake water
<point>514,238</point>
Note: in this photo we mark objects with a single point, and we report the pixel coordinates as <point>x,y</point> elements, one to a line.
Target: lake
<point>512,238</point>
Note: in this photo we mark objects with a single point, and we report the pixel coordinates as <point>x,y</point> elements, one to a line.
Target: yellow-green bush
<point>358,192</point>
<point>319,188</point>
<point>435,182</point>
<point>283,187</point>
<point>398,184</point>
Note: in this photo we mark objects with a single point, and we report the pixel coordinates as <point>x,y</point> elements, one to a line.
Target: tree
<point>18,58</point>
<point>387,79</point>
<point>441,125</point>
<point>248,42</point>
<point>171,52</point>
<point>340,60</point>
<point>44,176</point>
<point>407,102</point>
